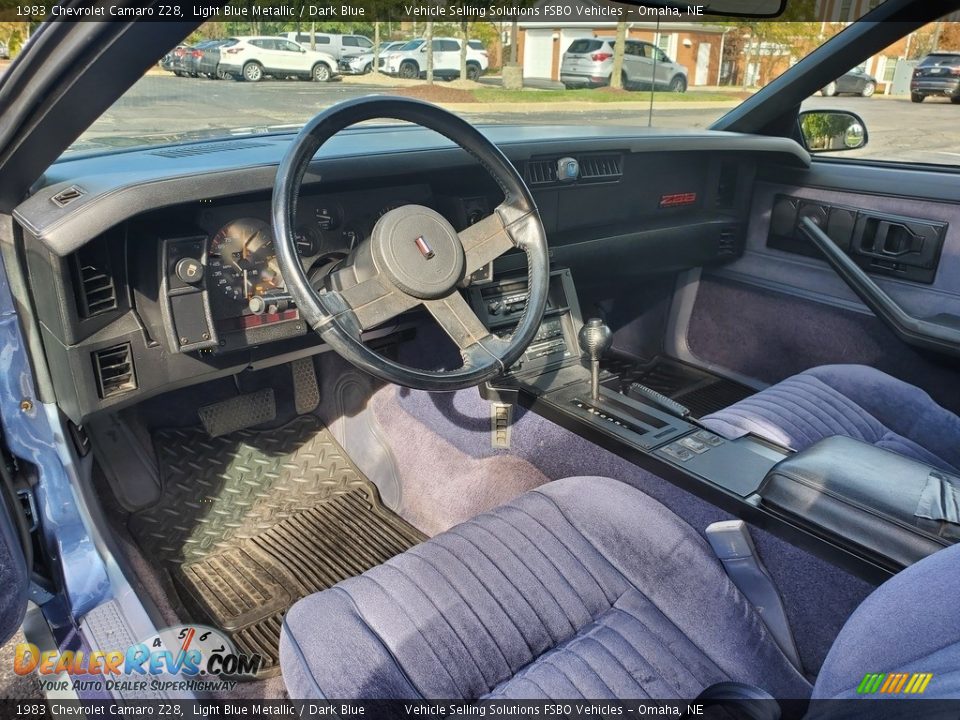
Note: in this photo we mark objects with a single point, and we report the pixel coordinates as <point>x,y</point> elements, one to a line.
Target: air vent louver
<point>113,367</point>
<point>601,167</point>
<point>206,148</point>
<point>727,245</point>
<point>97,292</point>
<point>67,195</point>
<point>541,172</point>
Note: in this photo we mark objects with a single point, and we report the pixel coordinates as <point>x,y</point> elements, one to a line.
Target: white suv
<point>410,60</point>
<point>251,58</point>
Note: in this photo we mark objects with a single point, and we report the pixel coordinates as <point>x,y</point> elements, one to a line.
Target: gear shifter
<point>595,339</point>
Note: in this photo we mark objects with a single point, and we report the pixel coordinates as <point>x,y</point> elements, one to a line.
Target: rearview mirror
<point>832,131</point>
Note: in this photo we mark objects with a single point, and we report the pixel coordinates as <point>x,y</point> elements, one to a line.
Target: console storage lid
<point>890,507</point>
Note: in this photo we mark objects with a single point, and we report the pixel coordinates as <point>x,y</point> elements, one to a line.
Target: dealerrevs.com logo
<point>183,657</point>
<point>894,683</point>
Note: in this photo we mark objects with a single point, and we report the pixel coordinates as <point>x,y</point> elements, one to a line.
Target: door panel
<point>771,313</point>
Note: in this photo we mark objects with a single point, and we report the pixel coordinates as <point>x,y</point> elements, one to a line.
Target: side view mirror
<point>303,50</point>
<point>423,49</point>
<point>832,131</point>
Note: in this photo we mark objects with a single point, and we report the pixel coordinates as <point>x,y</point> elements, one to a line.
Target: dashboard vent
<point>593,168</point>
<point>206,148</point>
<point>97,290</point>
<point>113,367</point>
<point>727,246</point>
<point>67,195</point>
<point>541,172</point>
<point>601,167</point>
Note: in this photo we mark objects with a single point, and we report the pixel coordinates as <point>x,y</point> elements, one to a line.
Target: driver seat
<point>586,588</point>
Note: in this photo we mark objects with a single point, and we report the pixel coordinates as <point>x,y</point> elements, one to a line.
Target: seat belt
<point>734,547</point>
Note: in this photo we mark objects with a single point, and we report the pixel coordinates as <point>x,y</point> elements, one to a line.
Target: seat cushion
<point>909,625</point>
<point>852,400</point>
<point>584,587</point>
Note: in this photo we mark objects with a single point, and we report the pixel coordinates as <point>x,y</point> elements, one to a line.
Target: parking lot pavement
<point>163,105</point>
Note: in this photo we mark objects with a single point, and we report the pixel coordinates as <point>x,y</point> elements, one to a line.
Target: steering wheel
<point>414,256</point>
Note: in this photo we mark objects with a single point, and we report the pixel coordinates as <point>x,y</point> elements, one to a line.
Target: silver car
<point>362,64</point>
<point>588,62</point>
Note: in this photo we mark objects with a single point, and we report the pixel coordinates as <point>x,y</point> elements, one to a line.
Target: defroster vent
<point>113,367</point>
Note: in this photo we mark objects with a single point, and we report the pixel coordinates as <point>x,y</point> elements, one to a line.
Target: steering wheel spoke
<point>489,238</point>
<point>457,319</point>
<point>375,301</point>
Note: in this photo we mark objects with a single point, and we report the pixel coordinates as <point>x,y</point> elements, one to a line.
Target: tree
<point>619,46</point>
<point>375,65</point>
<point>464,39</point>
<point>428,41</point>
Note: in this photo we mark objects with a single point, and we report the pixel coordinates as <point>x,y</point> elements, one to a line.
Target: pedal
<point>638,391</point>
<point>306,391</point>
<point>239,413</point>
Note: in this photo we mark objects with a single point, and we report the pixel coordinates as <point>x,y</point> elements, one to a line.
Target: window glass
<point>584,46</point>
<point>364,42</point>
<point>350,41</point>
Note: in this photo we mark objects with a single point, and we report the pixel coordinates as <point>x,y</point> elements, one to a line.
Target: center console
<point>557,376</point>
<point>826,499</point>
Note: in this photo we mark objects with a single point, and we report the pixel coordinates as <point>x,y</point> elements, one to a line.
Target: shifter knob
<point>595,339</point>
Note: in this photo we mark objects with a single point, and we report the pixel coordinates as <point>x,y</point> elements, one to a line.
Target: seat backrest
<point>908,626</point>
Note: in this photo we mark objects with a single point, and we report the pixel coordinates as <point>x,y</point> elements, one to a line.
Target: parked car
<point>588,62</point>
<point>173,60</point>
<point>208,64</point>
<point>409,60</point>
<point>4,50</point>
<point>340,47</point>
<point>856,82</point>
<point>362,64</point>
<point>938,74</point>
<point>250,58</point>
<point>202,59</point>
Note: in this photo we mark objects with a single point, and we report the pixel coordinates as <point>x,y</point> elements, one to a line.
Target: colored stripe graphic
<point>894,683</point>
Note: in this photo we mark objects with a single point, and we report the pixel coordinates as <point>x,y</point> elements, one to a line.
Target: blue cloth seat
<point>851,400</point>
<point>588,588</point>
<point>585,587</point>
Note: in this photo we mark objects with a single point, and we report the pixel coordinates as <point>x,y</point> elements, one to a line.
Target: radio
<point>501,304</point>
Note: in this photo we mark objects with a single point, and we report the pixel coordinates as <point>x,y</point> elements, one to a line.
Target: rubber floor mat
<point>700,391</point>
<point>248,523</point>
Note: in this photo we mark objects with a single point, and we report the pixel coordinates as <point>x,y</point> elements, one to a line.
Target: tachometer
<point>242,261</point>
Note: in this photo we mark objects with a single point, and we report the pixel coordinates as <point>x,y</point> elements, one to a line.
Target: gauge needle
<point>246,285</point>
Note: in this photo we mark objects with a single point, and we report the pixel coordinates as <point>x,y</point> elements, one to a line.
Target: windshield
<point>676,75</point>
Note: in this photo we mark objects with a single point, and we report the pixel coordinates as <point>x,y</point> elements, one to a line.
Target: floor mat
<point>700,391</point>
<point>252,521</point>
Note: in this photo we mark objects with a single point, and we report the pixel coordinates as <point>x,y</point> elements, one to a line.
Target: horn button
<point>419,251</point>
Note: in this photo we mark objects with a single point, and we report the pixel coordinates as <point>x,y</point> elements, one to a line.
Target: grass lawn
<point>600,95</point>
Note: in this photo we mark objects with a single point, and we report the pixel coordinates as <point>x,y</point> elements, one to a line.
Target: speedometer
<point>242,261</point>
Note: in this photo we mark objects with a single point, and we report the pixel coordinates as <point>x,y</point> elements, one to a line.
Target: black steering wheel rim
<point>327,312</point>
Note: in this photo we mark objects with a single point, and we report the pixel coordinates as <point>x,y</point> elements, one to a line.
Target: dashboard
<point>156,269</point>
<point>222,290</point>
